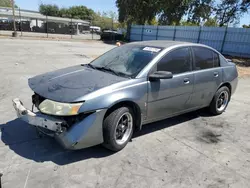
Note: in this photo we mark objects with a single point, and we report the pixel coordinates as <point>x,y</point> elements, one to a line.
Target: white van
<point>95,29</point>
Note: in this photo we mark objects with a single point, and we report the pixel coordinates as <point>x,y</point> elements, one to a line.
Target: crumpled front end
<point>85,133</point>
<point>72,132</point>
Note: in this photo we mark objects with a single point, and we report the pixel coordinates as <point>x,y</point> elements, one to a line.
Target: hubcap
<point>123,128</point>
<point>222,101</point>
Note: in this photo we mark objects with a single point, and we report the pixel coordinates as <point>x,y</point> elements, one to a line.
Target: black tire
<point>213,105</point>
<point>109,129</point>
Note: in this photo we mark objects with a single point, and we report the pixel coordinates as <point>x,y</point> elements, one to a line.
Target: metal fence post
<point>71,31</point>
<point>142,33</point>
<point>21,24</point>
<point>47,28</point>
<point>157,32</point>
<point>174,32</point>
<point>199,35</point>
<point>14,34</point>
<point>224,38</point>
<point>92,32</point>
<point>112,34</point>
<point>128,34</point>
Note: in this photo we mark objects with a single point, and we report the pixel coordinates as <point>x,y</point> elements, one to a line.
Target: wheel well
<point>228,85</point>
<point>136,110</point>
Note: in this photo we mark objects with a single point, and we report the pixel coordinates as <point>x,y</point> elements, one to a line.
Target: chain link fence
<point>33,24</point>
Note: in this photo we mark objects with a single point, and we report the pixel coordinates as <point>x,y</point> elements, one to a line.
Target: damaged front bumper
<point>37,119</point>
<point>82,134</point>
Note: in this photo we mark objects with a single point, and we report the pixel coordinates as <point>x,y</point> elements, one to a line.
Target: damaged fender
<point>85,133</point>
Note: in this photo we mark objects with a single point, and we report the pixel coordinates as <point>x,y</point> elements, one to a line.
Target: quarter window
<point>216,60</point>
<point>177,61</point>
<point>205,58</point>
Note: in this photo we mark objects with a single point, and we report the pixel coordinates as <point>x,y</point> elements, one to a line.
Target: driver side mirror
<point>160,75</point>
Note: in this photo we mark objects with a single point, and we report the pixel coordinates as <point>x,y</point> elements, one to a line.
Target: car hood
<point>69,84</point>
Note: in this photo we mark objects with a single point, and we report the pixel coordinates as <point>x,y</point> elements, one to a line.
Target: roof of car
<point>161,43</point>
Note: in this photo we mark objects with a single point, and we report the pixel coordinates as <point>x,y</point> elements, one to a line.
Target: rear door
<point>207,75</point>
<point>167,97</point>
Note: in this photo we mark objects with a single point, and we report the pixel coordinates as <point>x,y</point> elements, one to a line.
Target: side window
<point>216,60</point>
<point>177,61</point>
<point>205,58</point>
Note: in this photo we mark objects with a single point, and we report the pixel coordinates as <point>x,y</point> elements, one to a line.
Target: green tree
<point>211,22</point>
<point>49,10</point>
<point>80,12</point>
<point>64,12</point>
<point>229,11</point>
<point>154,21</point>
<point>246,26</point>
<point>105,20</point>
<point>77,12</point>
<point>172,11</point>
<point>113,15</point>
<point>6,3</point>
<point>200,10</point>
<point>137,11</point>
<point>188,23</point>
<point>144,11</point>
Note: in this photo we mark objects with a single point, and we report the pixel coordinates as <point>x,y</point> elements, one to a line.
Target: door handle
<point>186,81</point>
<point>216,74</point>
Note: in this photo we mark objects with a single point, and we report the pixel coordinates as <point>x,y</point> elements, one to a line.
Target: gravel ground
<point>243,65</point>
<point>192,150</point>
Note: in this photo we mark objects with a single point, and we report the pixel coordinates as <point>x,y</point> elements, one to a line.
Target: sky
<point>96,5</point>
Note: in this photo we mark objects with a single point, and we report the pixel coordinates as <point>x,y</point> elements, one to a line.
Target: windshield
<point>127,60</point>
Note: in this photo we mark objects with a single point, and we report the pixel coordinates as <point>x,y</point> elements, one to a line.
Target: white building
<point>36,18</point>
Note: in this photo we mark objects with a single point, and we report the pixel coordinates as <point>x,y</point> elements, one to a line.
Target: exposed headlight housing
<point>59,109</point>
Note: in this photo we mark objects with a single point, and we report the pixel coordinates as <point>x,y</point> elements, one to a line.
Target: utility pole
<point>14,34</point>
<point>21,25</point>
<point>112,29</point>
<point>71,26</point>
<point>47,26</point>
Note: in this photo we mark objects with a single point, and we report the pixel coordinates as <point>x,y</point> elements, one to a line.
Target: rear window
<point>205,58</point>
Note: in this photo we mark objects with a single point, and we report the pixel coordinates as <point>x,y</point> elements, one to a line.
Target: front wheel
<point>118,128</point>
<point>220,101</point>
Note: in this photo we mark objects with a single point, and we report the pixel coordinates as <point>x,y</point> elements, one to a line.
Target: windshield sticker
<point>151,49</point>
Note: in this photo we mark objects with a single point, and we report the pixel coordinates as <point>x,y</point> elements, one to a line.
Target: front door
<point>168,97</point>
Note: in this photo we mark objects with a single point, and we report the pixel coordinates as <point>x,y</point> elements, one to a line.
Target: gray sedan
<point>105,101</point>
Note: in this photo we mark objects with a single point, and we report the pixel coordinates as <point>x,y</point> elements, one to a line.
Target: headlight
<point>59,109</point>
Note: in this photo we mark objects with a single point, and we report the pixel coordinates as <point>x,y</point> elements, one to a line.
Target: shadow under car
<point>24,141</point>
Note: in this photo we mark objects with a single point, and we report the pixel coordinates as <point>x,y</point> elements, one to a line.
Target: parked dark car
<point>108,35</point>
<point>105,101</point>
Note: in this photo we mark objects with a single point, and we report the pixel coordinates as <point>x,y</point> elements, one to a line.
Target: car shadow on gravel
<point>156,126</point>
<point>24,141</point>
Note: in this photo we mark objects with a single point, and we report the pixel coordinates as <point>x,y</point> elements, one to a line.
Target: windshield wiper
<point>107,69</point>
<point>89,65</point>
<point>112,71</point>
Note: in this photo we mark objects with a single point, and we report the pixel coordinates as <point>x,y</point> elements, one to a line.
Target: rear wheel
<point>118,128</point>
<point>220,101</point>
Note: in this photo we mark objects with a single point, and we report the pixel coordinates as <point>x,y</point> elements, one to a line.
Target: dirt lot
<point>243,65</point>
<point>192,150</point>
